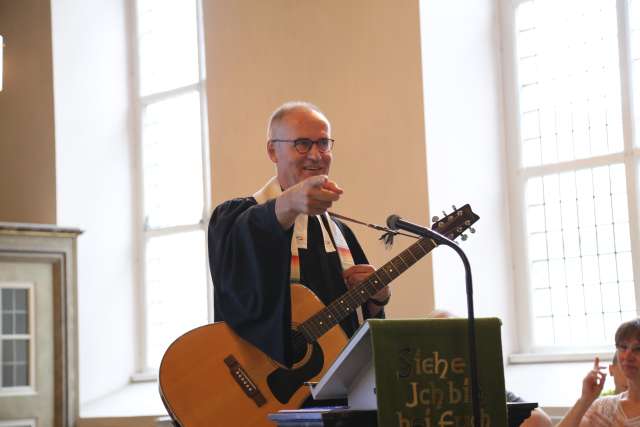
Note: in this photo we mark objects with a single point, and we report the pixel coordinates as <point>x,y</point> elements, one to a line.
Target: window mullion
<point>206,187</point>
<point>573,165</point>
<point>628,129</point>
<point>165,231</point>
<point>138,191</point>
<point>516,185</point>
<point>206,164</point>
<point>161,96</point>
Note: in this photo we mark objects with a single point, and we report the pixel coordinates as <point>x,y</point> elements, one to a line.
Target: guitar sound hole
<point>284,382</point>
<point>299,345</point>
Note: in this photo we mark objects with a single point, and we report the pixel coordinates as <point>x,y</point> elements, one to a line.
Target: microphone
<point>394,222</point>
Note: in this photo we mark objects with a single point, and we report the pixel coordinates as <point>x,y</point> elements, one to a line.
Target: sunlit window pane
<point>555,247</point>
<point>627,299</point>
<point>562,329</point>
<point>540,274</point>
<point>634,29</point>
<point>557,279</point>
<point>575,301</point>
<point>175,198</point>
<point>543,330</point>
<point>579,254</point>
<point>542,302</point>
<point>611,323</point>
<point>534,192</point>
<point>176,292</point>
<point>578,331</point>
<point>167,44</point>
<point>15,339</point>
<point>172,157</point>
<point>569,80</point>
<point>595,329</point>
<point>552,216</point>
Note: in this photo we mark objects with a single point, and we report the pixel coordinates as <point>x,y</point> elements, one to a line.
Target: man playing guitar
<point>291,284</point>
<point>281,235</point>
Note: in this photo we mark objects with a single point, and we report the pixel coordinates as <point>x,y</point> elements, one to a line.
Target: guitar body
<point>211,377</point>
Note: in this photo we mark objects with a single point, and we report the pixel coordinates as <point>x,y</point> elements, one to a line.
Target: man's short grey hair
<point>288,107</point>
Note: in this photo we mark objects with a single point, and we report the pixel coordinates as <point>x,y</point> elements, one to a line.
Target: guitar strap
<point>270,191</point>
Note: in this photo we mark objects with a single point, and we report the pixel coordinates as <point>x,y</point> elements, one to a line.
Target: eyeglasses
<point>303,145</point>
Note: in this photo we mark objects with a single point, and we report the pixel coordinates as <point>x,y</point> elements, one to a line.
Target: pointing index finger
<point>332,186</point>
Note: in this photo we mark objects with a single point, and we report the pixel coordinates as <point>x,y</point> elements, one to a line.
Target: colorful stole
<point>270,191</point>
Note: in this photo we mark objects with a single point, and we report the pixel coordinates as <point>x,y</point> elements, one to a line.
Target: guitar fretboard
<point>321,322</point>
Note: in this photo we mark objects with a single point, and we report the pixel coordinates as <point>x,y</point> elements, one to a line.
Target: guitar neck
<point>321,322</point>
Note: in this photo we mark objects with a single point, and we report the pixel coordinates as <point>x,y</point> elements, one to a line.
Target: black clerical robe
<point>250,260</point>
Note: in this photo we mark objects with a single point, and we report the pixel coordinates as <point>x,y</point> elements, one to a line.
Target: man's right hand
<point>313,196</point>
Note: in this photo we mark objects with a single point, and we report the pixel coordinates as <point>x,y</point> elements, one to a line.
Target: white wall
<point>465,150</point>
<point>94,181</point>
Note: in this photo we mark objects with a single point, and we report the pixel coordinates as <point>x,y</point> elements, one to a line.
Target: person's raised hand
<point>312,196</point>
<point>593,382</point>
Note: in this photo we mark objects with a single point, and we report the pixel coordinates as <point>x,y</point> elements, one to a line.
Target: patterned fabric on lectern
<point>423,373</point>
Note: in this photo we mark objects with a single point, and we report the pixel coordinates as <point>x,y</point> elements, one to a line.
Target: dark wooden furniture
<point>342,417</point>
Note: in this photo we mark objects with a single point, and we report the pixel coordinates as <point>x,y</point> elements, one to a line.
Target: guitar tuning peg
<point>435,219</point>
<point>472,230</point>
<point>454,207</point>
<point>444,213</point>
<point>464,237</point>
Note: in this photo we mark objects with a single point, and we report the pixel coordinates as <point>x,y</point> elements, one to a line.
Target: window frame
<point>30,422</point>
<point>517,177</point>
<point>143,372</point>
<point>30,389</point>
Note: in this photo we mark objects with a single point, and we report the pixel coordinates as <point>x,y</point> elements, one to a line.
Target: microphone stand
<point>471,335</point>
<point>440,239</point>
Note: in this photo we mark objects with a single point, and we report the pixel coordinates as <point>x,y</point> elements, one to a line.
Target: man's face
<point>291,165</point>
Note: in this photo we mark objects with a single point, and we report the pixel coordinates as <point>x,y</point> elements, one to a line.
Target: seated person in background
<point>611,411</point>
<point>619,380</point>
<point>538,417</point>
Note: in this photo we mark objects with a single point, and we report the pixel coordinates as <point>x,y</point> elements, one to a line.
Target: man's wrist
<point>285,215</point>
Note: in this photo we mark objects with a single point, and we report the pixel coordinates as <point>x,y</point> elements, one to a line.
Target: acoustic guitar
<point>212,377</point>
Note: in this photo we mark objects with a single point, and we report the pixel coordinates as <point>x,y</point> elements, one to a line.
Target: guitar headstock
<point>456,223</point>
